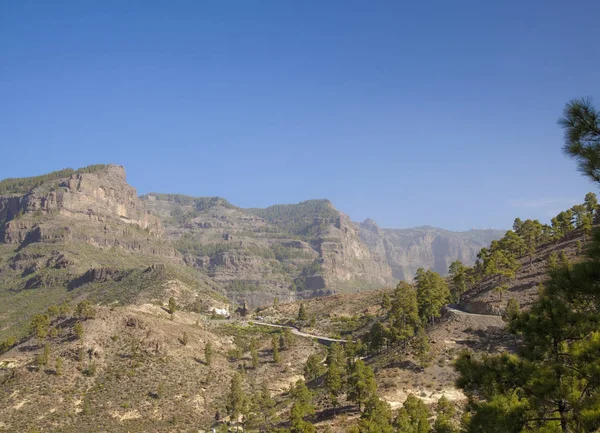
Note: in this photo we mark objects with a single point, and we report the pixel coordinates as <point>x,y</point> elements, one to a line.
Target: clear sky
<point>411,113</point>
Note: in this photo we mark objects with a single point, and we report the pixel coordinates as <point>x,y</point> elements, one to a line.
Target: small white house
<point>220,311</point>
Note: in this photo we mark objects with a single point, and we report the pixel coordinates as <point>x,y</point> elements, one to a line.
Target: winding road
<point>296,331</point>
<point>452,308</point>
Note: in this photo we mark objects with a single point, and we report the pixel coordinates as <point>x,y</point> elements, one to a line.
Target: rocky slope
<point>72,234</point>
<point>485,298</point>
<point>406,250</point>
<point>288,251</point>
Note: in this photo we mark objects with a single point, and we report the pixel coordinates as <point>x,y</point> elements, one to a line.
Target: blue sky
<point>411,113</point>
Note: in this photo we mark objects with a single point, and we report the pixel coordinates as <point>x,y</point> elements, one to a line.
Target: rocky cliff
<point>288,251</point>
<point>406,250</point>
<point>79,233</point>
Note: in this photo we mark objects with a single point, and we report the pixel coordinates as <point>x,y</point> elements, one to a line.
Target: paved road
<point>296,331</point>
<point>454,309</point>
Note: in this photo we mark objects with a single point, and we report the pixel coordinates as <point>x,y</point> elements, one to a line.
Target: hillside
<point>485,297</point>
<point>136,368</point>
<point>285,251</point>
<point>406,250</point>
<point>82,235</point>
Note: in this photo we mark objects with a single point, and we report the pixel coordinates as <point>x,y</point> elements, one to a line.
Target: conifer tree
<point>85,310</point>
<point>313,368</point>
<point>302,314</point>
<point>376,418</point>
<point>172,305</point>
<point>78,329</point>
<point>460,280</point>
<point>404,313</point>
<point>59,366</point>
<point>40,325</point>
<point>237,401</point>
<point>591,205</point>
<point>422,348</point>
<point>531,232</point>
<point>432,294</point>
<point>334,377</point>
<point>208,352</point>
<point>254,354</point>
<point>361,383</point>
<point>302,407</point>
<point>264,405</point>
<point>413,416</point>
<point>275,347</point>
<point>386,302</point>
<point>553,383</point>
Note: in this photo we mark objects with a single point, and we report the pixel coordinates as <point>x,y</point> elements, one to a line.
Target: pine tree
<point>313,368</point>
<point>58,369</point>
<point>44,356</point>
<point>172,305</point>
<point>512,309</point>
<point>422,348</point>
<point>302,407</point>
<point>460,280</point>
<point>377,337</point>
<point>334,383</point>
<point>432,294</point>
<point>237,401</point>
<point>85,310</point>
<point>254,354</point>
<point>361,383</point>
<point>413,416</point>
<point>275,347</point>
<point>581,122</point>
<point>531,232</point>
<point>553,383</point>
<point>78,329</point>
<point>386,302</point>
<point>591,205</point>
<point>40,325</point>
<point>302,314</point>
<point>552,261</point>
<point>287,339</point>
<point>445,413</point>
<point>264,405</point>
<point>208,352</point>
<point>404,313</point>
<point>376,418</point>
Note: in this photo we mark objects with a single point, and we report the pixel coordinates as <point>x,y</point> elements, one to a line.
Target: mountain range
<point>73,233</point>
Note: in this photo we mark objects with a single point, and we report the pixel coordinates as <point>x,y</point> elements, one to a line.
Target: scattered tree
<point>40,325</point>
<point>361,383</point>
<point>413,416</point>
<point>58,369</point>
<point>302,314</point>
<point>313,368</point>
<point>432,294</point>
<point>78,329</point>
<point>172,305</point>
<point>275,347</point>
<point>208,352</point>
<point>237,401</point>
<point>85,310</point>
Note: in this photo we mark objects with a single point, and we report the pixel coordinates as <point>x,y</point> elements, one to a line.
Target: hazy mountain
<point>406,250</point>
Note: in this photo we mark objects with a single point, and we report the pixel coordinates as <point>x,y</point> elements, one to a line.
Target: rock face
<point>288,251</point>
<point>75,234</point>
<point>98,208</point>
<point>407,250</point>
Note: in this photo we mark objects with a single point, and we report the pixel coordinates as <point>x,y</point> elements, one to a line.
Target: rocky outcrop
<point>288,251</point>
<point>98,208</point>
